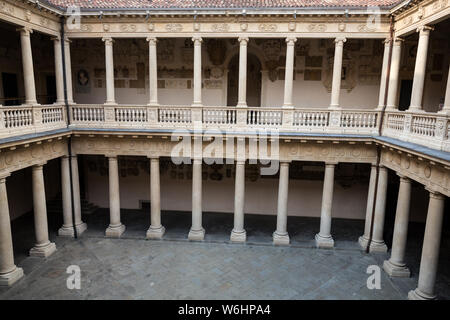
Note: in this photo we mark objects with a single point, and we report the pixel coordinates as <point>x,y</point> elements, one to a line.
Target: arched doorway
<point>253,81</point>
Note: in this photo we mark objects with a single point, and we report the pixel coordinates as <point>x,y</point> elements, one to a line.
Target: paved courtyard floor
<point>174,268</point>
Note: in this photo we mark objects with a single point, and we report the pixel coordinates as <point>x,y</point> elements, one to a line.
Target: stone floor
<point>174,268</point>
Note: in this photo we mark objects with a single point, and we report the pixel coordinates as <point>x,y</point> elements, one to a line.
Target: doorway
<point>253,81</point>
<point>405,95</point>
<point>10,89</point>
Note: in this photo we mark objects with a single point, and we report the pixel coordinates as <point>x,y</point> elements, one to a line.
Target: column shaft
<point>153,72</point>
<point>68,71</point>
<point>43,247</point>
<point>324,238</point>
<point>370,199</point>
<point>396,266</point>
<point>58,70</point>
<point>197,71</point>
<point>9,273</point>
<point>27,65</point>
<point>109,67</point>
<point>420,69</point>
<point>289,71</point>
<point>242,89</point>
<point>156,230</point>
<point>337,72</point>
<point>384,67</point>
<point>116,228</point>
<point>377,244</point>
<point>281,236</point>
<point>238,234</point>
<point>430,250</point>
<point>394,74</point>
<point>197,232</point>
<point>446,108</point>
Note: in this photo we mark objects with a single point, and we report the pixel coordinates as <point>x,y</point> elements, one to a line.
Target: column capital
<point>425,30</point>
<point>197,40</point>
<point>435,194</point>
<point>3,176</point>
<point>39,166</point>
<point>243,40</point>
<point>56,38</point>
<point>284,163</point>
<point>153,158</point>
<point>108,41</point>
<point>152,40</point>
<point>25,31</point>
<point>340,40</point>
<point>398,41</point>
<point>403,178</point>
<point>291,41</point>
<point>111,157</point>
<point>331,164</point>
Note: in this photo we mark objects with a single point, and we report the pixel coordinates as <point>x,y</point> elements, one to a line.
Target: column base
<point>375,246</point>
<point>68,231</point>
<point>281,239</point>
<point>8,279</point>
<point>324,242</point>
<point>238,236</point>
<point>155,233</point>
<point>115,232</point>
<point>196,235</point>
<point>419,295</point>
<point>394,270</point>
<point>43,251</point>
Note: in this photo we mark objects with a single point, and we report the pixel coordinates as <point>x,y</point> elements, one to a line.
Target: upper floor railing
<point>429,129</point>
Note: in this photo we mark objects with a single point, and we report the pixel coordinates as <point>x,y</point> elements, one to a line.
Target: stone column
<point>68,71</point>
<point>43,247</point>
<point>27,65</point>
<point>67,229</point>
<point>377,244</point>
<point>197,71</point>
<point>116,228</point>
<point>238,234</point>
<point>153,72</point>
<point>109,67</point>
<point>430,249</point>
<point>446,108</point>
<point>156,230</point>
<point>420,69</point>
<point>324,238</point>
<point>9,273</point>
<point>58,70</point>
<point>281,236</point>
<point>394,74</point>
<point>363,240</point>
<point>197,232</point>
<point>289,72</point>
<point>337,72</point>
<point>384,70</point>
<point>396,266</point>
<point>242,89</point>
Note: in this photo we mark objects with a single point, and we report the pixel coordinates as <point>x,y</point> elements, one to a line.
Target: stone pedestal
<point>44,250</point>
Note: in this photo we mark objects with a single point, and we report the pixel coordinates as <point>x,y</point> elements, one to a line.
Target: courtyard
<point>174,268</point>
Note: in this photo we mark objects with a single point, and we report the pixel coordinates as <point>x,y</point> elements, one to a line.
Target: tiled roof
<point>220,4</point>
